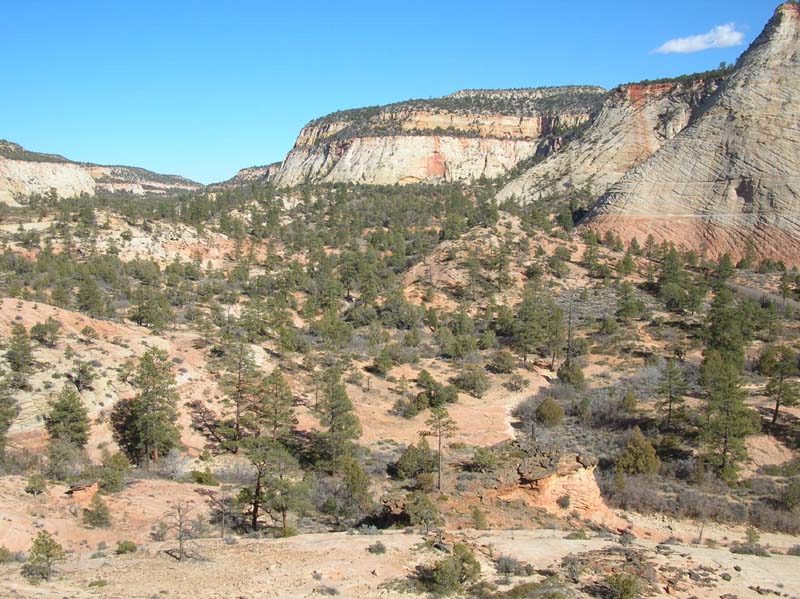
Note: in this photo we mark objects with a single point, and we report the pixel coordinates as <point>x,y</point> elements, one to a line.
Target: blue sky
<point>202,88</point>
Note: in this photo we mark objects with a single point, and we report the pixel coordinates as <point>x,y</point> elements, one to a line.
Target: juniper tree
<point>639,456</point>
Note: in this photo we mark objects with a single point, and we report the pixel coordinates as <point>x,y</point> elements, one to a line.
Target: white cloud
<point>722,36</point>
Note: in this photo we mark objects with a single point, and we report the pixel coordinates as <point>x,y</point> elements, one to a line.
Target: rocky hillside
<point>24,174</point>
<point>246,176</point>
<point>460,137</point>
<point>733,174</point>
<point>635,121</point>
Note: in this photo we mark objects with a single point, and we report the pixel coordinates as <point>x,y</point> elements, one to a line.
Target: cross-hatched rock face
<point>733,175</point>
<point>634,122</point>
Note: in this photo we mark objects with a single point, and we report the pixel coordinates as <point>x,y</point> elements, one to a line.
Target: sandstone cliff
<point>635,121</point>
<point>734,173</point>
<point>24,174</point>
<point>461,137</point>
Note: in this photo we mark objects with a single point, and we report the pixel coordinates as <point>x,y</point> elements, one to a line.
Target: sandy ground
<point>300,566</point>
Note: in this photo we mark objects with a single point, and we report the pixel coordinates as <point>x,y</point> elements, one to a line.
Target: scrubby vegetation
<point>338,313</point>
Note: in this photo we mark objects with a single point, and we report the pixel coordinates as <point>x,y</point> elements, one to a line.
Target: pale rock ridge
<point>24,174</point>
<point>246,176</point>
<point>21,179</point>
<point>733,174</point>
<point>461,137</point>
<point>635,121</point>
<point>403,159</point>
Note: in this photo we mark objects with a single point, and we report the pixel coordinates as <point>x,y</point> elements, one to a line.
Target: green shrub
<point>549,413</point>
<point>377,548</point>
<point>97,515</point>
<point>419,509</point>
<point>415,459</point>
<point>6,555</point>
<point>639,456</point>
<point>205,477</point>
<point>36,485</point>
<point>44,554</point>
<point>449,575</point>
<point>124,547</point>
<point>570,372</point>
<point>622,586</point>
<point>628,403</point>
<point>473,380</point>
<point>479,519</point>
<point>748,549</point>
<point>483,460</point>
<point>791,495</point>
<point>502,362</point>
<point>506,564</point>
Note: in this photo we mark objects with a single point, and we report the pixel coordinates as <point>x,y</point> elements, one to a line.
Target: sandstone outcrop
<point>636,120</point>
<point>559,483</point>
<point>24,174</point>
<point>732,175</point>
<point>461,137</point>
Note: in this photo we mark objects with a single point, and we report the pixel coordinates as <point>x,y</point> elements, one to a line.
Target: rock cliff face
<point>634,122</point>
<point>24,173</point>
<point>460,137</point>
<point>20,179</point>
<point>734,173</point>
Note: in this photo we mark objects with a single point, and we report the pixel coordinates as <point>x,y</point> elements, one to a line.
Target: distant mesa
<point>458,138</point>
<point>24,174</point>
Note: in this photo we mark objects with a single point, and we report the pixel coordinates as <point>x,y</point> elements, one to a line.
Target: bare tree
<point>219,503</point>
<point>178,517</point>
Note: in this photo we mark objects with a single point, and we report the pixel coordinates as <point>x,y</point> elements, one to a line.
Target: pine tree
<point>9,410</point>
<point>90,298</point>
<point>727,419</point>
<point>68,419</point>
<point>240,384</point>
<point>442,427</point>
<point>44,554</point>
<point>97,515</point>
<point>275,489</point>
<point>19,355</point>
<point>526,333</point>
<point>671,389</point>
<point>336,413</point>
<point>144,426</point>
<point>275,408</point>
<point>726,332</point>
<point>780,364</point>
<point>283,492</point>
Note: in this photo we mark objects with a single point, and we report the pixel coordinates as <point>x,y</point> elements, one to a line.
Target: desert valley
<point>502,344</point>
